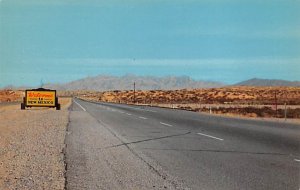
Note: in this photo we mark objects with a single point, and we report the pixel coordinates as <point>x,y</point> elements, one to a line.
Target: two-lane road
<point>203,151</point>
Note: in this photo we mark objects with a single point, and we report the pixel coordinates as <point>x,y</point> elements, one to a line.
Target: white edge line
<point>80,106</point>
<point>143,117</point>
<point>297,160</point>
<point>210,136</point>
<point>166,124</point>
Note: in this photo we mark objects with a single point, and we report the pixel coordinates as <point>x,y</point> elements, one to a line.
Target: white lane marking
<point>122,112</point>
<point>128,113</point>
<point>143,117</point>
<point>210,136</point>
<point>166,124</point>
<point>297,160</point>
<point>80,106</point>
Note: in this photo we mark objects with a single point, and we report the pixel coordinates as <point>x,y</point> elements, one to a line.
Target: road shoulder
<point>31,147</point>
<point>94,163</point>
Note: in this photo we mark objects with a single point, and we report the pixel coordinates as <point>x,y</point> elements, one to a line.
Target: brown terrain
<point>11,95</point>
<point>32,144</point>
<point>244,101</point>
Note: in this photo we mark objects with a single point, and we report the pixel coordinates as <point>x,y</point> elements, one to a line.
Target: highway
<point>178,149</point>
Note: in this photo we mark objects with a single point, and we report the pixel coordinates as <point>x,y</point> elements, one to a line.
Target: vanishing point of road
<point>115,146</point>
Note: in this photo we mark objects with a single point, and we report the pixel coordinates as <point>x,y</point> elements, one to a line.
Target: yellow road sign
<point>40,98</point>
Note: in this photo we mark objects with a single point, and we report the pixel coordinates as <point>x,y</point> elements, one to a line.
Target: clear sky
<point>216,40</point>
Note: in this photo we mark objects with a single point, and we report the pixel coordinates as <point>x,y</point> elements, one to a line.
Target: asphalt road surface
<point>114,146</point>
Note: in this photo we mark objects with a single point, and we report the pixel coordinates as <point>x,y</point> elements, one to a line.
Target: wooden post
<point>134,92</point>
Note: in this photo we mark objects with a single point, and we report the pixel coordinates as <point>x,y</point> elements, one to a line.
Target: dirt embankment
<point>31,147</point>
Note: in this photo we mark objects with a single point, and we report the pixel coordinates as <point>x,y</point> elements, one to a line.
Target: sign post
<point>40,98</point>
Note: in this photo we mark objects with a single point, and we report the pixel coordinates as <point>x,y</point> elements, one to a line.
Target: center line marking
<point>166,124</point>
<point>128,113</point>
<point>80,106</point>
<point>143,117</point>
<point>297,160</point>
<point>210,136</point>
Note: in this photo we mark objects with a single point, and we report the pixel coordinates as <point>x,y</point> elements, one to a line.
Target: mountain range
<point>268,82</point>
<point>107,83</point>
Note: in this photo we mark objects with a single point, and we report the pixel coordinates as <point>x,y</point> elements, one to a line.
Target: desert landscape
<point>139,95</point>
<point>240,100</point>
<point>34,145</point>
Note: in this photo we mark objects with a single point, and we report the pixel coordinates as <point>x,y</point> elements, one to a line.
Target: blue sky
<point>218,40</point>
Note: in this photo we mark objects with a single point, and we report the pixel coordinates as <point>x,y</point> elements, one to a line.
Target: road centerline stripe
<point>128,113</point>
<point>210,136</point>
<point>80,106</point>
<point>166,124</point>
<point>297,160</point>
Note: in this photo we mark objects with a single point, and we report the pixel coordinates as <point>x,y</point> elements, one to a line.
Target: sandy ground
<point>31,146</point>
<point>223,105</point>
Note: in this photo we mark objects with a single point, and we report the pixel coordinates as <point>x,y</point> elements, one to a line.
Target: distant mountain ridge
<point>106,83</point>
<point>268,82</point>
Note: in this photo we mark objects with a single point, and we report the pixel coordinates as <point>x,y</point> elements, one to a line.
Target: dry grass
<point>247,101</point>
<point>228,95</point>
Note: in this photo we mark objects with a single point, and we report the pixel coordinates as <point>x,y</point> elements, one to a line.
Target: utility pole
<point>285,111</point>
<point>41,83</point>
<point>285,114</point>
<point>276,103</point>
<point>134,92</point>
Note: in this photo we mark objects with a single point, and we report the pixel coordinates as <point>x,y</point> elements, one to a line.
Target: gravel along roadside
<point>32,147</point>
